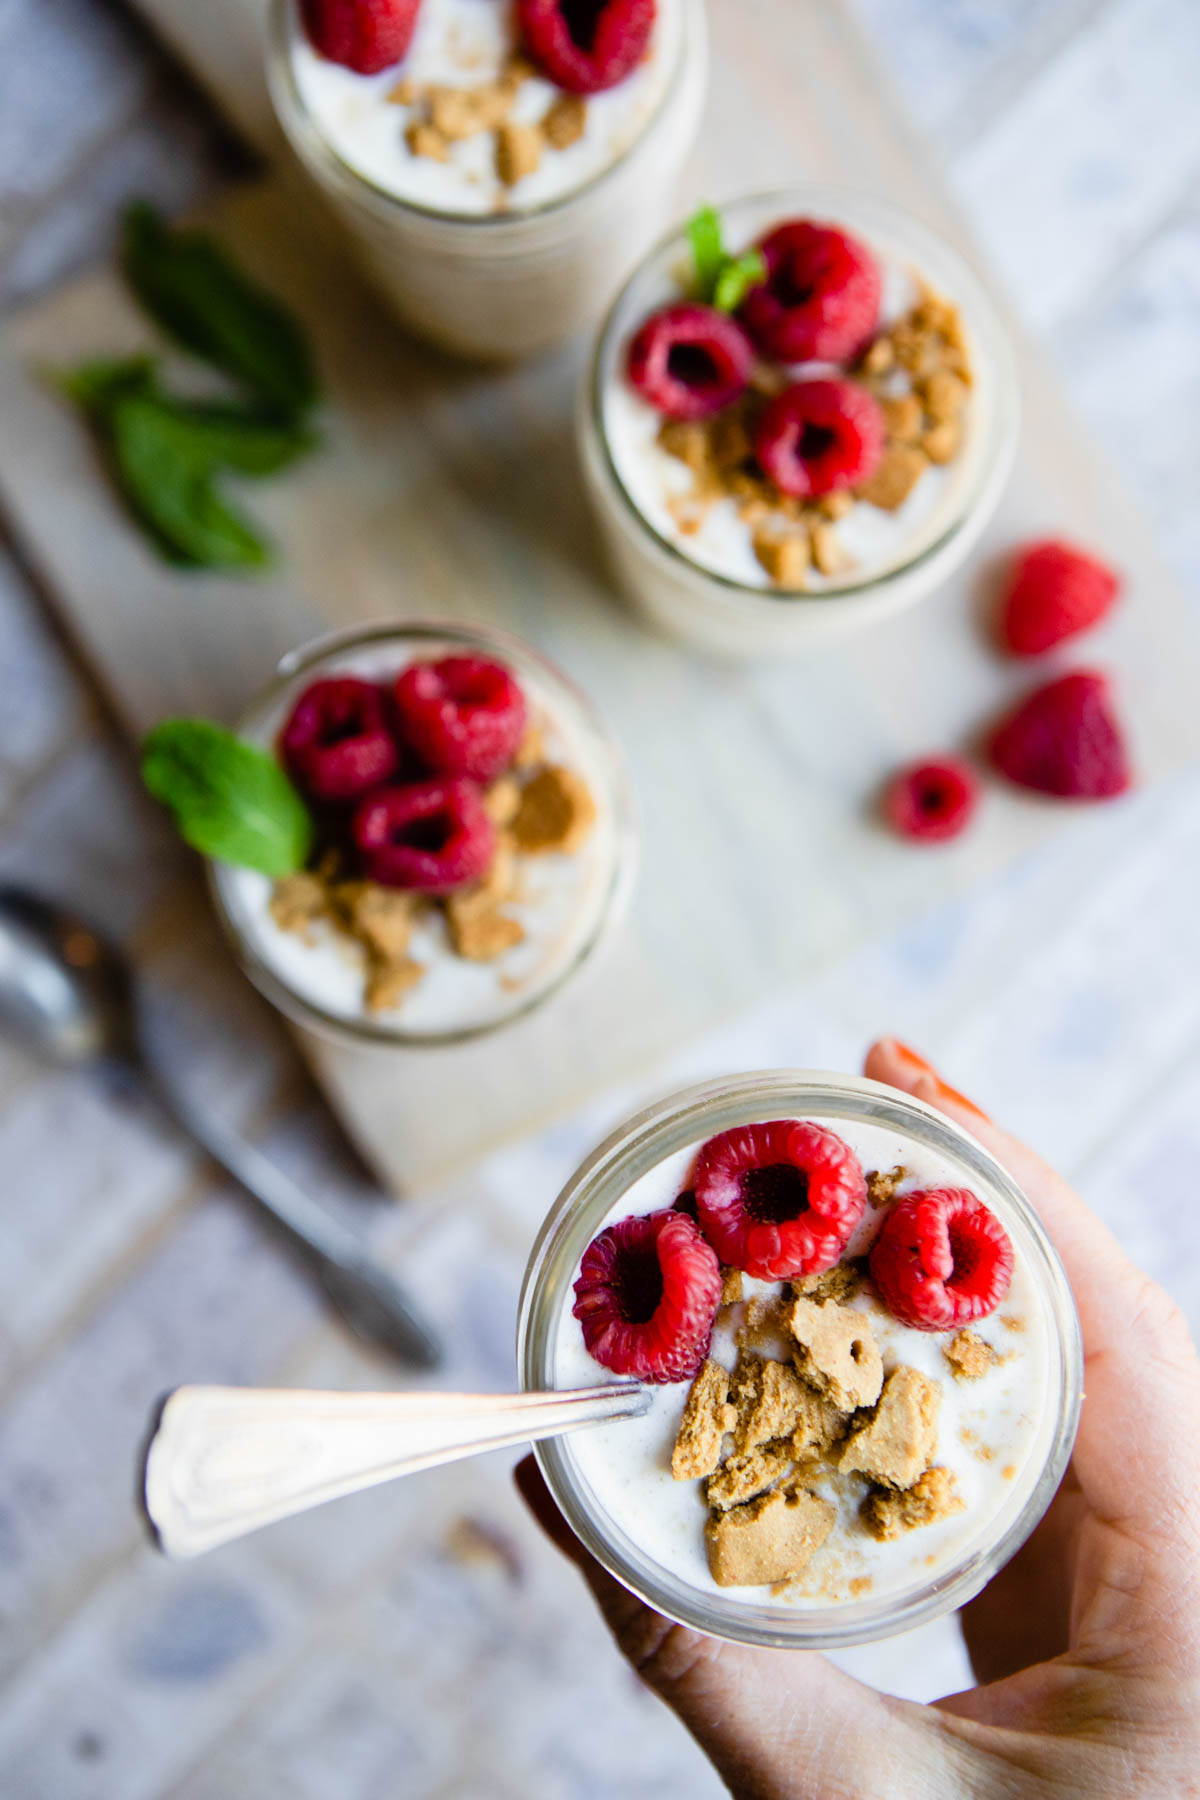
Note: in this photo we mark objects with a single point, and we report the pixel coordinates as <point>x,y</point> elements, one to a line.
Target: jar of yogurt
<point>843,1466</point>
<point>702,540</point>
<point>494,241</point>
<point>363,951</point>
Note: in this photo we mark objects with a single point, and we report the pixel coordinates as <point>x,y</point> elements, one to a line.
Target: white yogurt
<point>466,43</point>
<point>987,1429</point>
<point>875,541</point>
<point>562,901</point>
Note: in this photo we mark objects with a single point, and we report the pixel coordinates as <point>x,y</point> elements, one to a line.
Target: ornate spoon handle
<point>223,1461</point>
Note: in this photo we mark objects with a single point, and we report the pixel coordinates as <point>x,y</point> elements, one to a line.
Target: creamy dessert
<point>523,146</point>
<point>804,399</point>
<point>856,1360</point>
<point>470,123</point>
<point>471,838</point>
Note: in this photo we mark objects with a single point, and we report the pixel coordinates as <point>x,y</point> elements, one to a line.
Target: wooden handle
<point>223,1461</point>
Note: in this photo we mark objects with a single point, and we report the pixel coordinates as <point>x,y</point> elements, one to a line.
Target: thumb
<point>775,1724</point>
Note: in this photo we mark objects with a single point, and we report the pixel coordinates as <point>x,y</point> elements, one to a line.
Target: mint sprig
<point>199,297</point>
<point>230,800</point>
<point>166,454</point>
<point>722,281</point>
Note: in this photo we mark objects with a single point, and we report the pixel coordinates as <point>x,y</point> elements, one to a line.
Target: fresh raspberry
<point>586,45</point>
<point>1064,739</point>
<point>431,835</point>
<point>690,360</point>
<point>647,1295</point>
<point>363,35</point>
<point>779,1199</point>
<point>817,436</point>
<point>941,1259</point>
<point>336,743</point>
<point>820,301</point>
<point>463,715</point>
<point>931,800</point>
<point>1055,592</point>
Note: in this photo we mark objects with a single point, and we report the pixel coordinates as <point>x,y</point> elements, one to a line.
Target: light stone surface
<point>360,1653</point>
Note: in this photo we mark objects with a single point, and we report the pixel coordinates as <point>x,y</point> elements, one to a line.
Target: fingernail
<point>941,1089</point>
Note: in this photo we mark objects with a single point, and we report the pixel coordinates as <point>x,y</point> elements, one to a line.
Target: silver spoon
<point>223,1461</point>
<point>68,995</point>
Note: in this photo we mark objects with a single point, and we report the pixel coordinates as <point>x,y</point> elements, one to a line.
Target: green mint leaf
<point>738,275</point>
<point>230,800</point>
<point>167,480</point>
<point>192,289</point>
<point>93,386</point>
<point>708,253</point>
<point>233,437</point>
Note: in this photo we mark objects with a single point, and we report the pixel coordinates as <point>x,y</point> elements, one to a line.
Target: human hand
<point>1086,1646</point>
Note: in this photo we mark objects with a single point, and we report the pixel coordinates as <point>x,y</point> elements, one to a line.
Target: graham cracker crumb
<point>297,902</point>
<point>518,152</point>
<point>835,506</point>
<point>769,1539</point>
<point>836,1352</point>
<point>565,122</point>
<point>880,357</point>
<point>731,1286</point>
<point>819,1425</point>
<point>424,139</point>
<point>530,750</point>
<point>502,801</point>
<point>763,1321</point>
<point>786,559</point>
<point>944,395</point>
<point>898,473</point>
<point>455,112</point>
<point>686,439</point>
<point>1008,1471</point>
<point>881,1185</point>
<point>770,1399</point>
<point>381,917</point>
<point>903,416</point>
<point>969,1356</point>
<point>827,552</point>
<point>1012,1322</point>
<point>405,93</point>
<point>556,812</point>
<point>840,1283</point>
<point>517,70</point>
<point>941,443</point>
<point>895,1445</point>
<point>741,1477</point>
<point>387,983</point>
<point>707,1416</point>
<point>483,936</point>
<point>860,1585</point>
<point>887,1515</point>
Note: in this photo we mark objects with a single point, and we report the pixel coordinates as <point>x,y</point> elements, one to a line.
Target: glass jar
<point>321,986</point>
<point>653,1561</point>
<point>746,616</point>
<point>504,285</point>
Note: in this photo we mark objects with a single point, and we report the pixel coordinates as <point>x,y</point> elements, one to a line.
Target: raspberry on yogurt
<point>462,715</point>
<point>336,743</point>
<point>647,1295</point>
<point>363,35</point>
<point>586,46</point>
<point>817,437</point>
<point>690,360</point>
<point>779,1199</point>
<point>941,1259</point>
<point>431,836</point>
<point>820,301</point>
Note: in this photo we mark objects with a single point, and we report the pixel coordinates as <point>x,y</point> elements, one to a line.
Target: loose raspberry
<point>931,800</point>
<point>1064,739</point>
<point>647,1295</point>
<point>586,45</point>
<point>431,835</point>
<point>820,301</point>
<point>363,35</point>
<point>336,743</point>
<point>463,715</point>
<point>690,360</point>
<point>817,436</point>
<point>779,1199</point>
<point>941,1259</point>
<point>1055,592</point>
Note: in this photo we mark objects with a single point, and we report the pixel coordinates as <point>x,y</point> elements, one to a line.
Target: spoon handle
<point>223,1461</point>
<point>371,1302</point>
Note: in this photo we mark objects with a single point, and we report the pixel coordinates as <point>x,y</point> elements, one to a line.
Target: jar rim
<point>842,204</point>
<point>680,1121</point>
<point>313,147</point>
<point>310,656</point>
